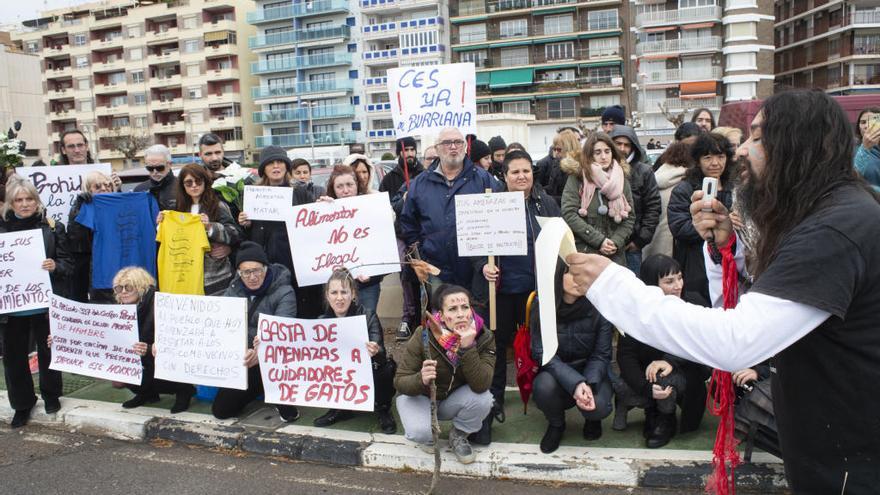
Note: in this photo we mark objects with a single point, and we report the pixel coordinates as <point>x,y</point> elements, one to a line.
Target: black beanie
<point>271,154</point>
<point>479,149</point>
<point>251,251</point>
<point>497,143</point>
<point>614,113</point>
<point>405,142</point>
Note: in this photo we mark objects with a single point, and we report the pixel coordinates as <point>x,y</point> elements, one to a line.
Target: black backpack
<point>755,421</point>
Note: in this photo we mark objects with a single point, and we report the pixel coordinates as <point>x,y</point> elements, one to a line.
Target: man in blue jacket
<point>428,215</point>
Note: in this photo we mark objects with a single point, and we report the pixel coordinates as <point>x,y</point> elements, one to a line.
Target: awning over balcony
<point>699,25</point>
<point>701,89</point>
<point>216,36</point>
<point>511,43</point>
<point>483,78</point>
<point>610,63</point>
<point>469,47</point>
<point>557,95</point>
<point>659,29</point>
<point>511,77</point>
<point>560,10</point>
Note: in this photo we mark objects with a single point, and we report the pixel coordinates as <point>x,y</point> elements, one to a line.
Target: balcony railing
<point>679,45</point>
<point>483,7</point>
<point>866,49</point>
<point>320,112</point>
<point>680,16</point>
<point>495,33</point>
<point>270,14</point>
<point>301,62</point>
<point>299,36</point>
<point>300,140</point>
<point>378,107</point>
<point>392,28</point>
<point>380,54</point>
<point>297,10</point>
<point>865,17</point>
<point>676,75</point>
<point>677,104</point>
<point>310,87</point>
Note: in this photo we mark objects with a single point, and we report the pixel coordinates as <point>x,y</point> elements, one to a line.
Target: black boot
<point>551,439</point>
<point>139,400</point>
<point>332,417</point>
<point>386,420</point>
<point>650,422</point>
<point>182,399</point>
<point>52,404</point>
<point>662,432</point>
<point>20,418</point>
<point>484,436</point>
<point>592,430</point>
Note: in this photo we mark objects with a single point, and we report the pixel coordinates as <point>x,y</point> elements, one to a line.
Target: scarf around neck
<point>450,341</point>
<point>610,184</point>
<point>262,289</point>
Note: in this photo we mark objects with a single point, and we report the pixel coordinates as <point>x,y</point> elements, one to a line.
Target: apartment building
<point>166,72</point>
<point>691,54</point>
<point>833,45</point>
<point>541,64</point>
<point>21,100</point>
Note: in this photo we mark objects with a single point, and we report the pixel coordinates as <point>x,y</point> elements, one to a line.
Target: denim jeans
<point>634,261</point>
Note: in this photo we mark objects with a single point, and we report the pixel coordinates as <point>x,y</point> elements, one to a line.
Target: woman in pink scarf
<point>597,200</point>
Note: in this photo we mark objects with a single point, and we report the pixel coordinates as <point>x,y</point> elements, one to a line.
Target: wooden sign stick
<point>492,317</point>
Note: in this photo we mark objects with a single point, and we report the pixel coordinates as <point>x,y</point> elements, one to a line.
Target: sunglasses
<point>119,289</point>
<point>156,168</point>
<point>192,182</point>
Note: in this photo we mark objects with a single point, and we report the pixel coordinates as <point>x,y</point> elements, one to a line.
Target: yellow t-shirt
<point>182,253</point>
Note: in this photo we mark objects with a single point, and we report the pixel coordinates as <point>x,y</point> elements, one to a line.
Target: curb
<point>669,469</point>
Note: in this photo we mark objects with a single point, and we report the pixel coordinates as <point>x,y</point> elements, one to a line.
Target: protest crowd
<point>787,243</point>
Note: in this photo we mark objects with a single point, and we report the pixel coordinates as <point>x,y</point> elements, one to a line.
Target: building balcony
<point>169,127</point>
<point>223,98</point>
<point>473,7</point>
<point>223,122</point>
<point>426,50</point>
<point>165,58</point>
<point>106,44</point>
<point>109,154</point>
<point>235,144</point>
<point>299,36</point>
<point>162,82</point>
<point>169,104</point>
<point>170,34</point>
<point>392,29</point>
<point>682,75</point>
<point>179,149</point>
<point>866,49</point>
<point>380,134</point>
<point>55,50</point>
<point>54,137</point>
<point>62,114</point>
<point>59,72</point>
<point>688,15</point>
<point>683,104</point>
<point>115,110</point>
<point>319,7</point>
<point>61,93</point>
<point>272,14</point>
<point>223,74</point>
<point>320,112</point>
<point>865,17</point>
<point>378,107</point>
<point>375,84</point>
<point>301,140</point>
<point>384,6</point>
<point>219,25</point>
<point>119,87</point>
<point>387,56</point>
<point>219,50</point>
<point>116,65</point>
<point>303,88</point>
<point>301,62</point>
<point>708,44</point>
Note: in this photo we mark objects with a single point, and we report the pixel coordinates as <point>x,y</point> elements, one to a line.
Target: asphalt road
<point>43,461</point>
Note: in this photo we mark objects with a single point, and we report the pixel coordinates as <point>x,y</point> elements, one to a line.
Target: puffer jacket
<point>164,191</point>
<point>428,217</point>
<point>475,366</point>
<point>668,176</point>
<point>646,196</point>
<point>279,299</point>
<point>688,245</point>
<point>584,336</point>
<point>590,231</point>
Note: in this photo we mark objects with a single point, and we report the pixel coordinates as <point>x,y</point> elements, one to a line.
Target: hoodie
<point>646,196</point>
<point>667,176</point>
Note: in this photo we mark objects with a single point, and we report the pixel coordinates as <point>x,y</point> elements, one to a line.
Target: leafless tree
<point>675,119</point>
<point>130,141</point>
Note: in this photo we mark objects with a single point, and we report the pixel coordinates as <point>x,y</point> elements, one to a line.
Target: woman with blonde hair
<point>597,200</point>
<point>567,144</point>
<point>133,285</point>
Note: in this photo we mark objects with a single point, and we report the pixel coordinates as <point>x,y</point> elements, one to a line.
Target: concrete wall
<point>21,98</point>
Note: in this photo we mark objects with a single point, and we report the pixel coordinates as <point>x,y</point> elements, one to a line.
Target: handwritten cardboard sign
<point>24,284</point>
<point>427,99</point>
<point>346,232</point>
<point>95,340</point>
<point>491,224</point>
<point>201,340</point>
<point>316,363</point>
<point>59,185</point>
<point>268,203</point>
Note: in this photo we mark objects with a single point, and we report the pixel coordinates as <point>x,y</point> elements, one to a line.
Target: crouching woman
<point>459,357</point>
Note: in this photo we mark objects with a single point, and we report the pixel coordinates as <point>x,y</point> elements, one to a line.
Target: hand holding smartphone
<point>710,190</point>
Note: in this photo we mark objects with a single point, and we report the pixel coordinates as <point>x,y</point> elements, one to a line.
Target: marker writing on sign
<point>462,92</point>
<point>399,103</point>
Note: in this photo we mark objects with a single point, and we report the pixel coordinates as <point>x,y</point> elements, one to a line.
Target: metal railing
<point>309,87</point>
<point>686,15</point>
<point>298,140</point>
<point>298,36</point>
<point>679,45</point>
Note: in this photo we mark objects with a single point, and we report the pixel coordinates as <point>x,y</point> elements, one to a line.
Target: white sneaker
<point>403,332</point>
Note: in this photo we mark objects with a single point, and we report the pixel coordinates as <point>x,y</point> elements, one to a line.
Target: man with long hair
<point>814,307</point>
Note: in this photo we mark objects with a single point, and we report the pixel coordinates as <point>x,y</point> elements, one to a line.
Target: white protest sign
<point>95,340</point>
<point>268,203</point>
<point>24,284</point>
<point>201,340</point>
<point>59,185</point>
<point>346,232</point>
<point>491,224</point>
<point>554,240</point>
<point>316,363</point>
<point>427,99</point>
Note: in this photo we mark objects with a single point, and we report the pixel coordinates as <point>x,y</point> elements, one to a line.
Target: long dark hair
<point>697,113</point>
<point>710,144</point>
<point>874,110</point>
<point>64,159</point>
<point>807,141</point>
<point>587,153</point>
<point>208,202</point>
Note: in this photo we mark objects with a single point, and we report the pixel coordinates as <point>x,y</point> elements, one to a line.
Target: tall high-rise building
<point>21,100</point>
<point>163,72</point>
<point>691,54</point>
<point>541,64</point>
<point>833,45</point>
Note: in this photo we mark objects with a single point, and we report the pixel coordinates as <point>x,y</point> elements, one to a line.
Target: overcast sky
<point>16,11</point>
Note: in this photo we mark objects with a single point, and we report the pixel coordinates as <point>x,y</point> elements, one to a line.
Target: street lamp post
<point>309,105</point>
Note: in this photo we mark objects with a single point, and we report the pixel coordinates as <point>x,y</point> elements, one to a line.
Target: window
<point>190,46</point>
<point>80,39</point>
<point>139,99</point>
<point>118,122</point>
<point>355,126</point>
<point>116,78</point>
<point>83,83</point>
<point>602,75</point>
<point>558,75</point>
<point>189,22</point>
<point>117,101</point>
<point>196,117</point>
<point>522,107</point>
<point>32,46</point>
<point>85,105</point>
<point>140,122</point>
<point>136,54</point>
<point>421,38</point>
<point>696,34</point>
<point>864,44</point>
<point>602,101</point>
<point>195,92</point>
<point>741,4</point>
<point>741,91</point>
<point>741,61</point>
<point>683,4</point>
<point>472,32</point>
<point>741,30</point>
<point>602,19</point>
<point>834,47</point>
<point>134,31</point>
<point>514,56</point>
<point>559,51</point>
<point>137,76</point>
<point>556,24</point>
<point>513,28</point>
<point>478,57</point>
<point>483,108</point>
<point>322,77</point>
<point>82,61</point>
<point>193,70</point>
<point>560,108</point>
<point>604,47</point>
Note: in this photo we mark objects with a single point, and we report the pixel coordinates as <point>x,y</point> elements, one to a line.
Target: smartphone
<point>874,123</point>
<point>710,190</point>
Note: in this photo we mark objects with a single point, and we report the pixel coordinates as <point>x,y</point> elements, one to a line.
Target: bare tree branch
<point>130,141</point>
<point>675,119</point>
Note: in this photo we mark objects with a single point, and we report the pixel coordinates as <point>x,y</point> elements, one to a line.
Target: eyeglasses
<point>252,273</point>
<point>155,168</point>
<point>192,182</point>
<point>104,186</point>
<point>558,150</point>
<point>452,143</point>
<point>119,289</point>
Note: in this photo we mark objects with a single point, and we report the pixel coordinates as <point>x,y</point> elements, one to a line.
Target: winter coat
<point>668,176</point>
<point>544,169</point>
<point>314,191</point>
<point>79,237</point>
<point>273,235</point>
<point>223,231</point>
<point>428,217</point>
<point>688,245</point>
<point>55,242</point>
<point>867,163</point>
<point>165,191</point>
<point>518,272</point>
<point>646,196</point>
<point>475,366</point>
<point>394,179</point>
<point>584,337</point>
<point>590,231</point>
<point>279,299</point>
<point>556,182</point>
<point>374,327</point>
<point>145,319</point>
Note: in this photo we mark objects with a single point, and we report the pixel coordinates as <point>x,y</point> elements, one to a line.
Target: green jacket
<point>590,231</point>
<point>475,366</point>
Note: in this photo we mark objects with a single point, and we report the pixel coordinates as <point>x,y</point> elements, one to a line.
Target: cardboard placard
<point>427,99</point>
<point>24,285</point>
<point>491,224</point>
<point>268,203</point>
<point>60,184</point>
